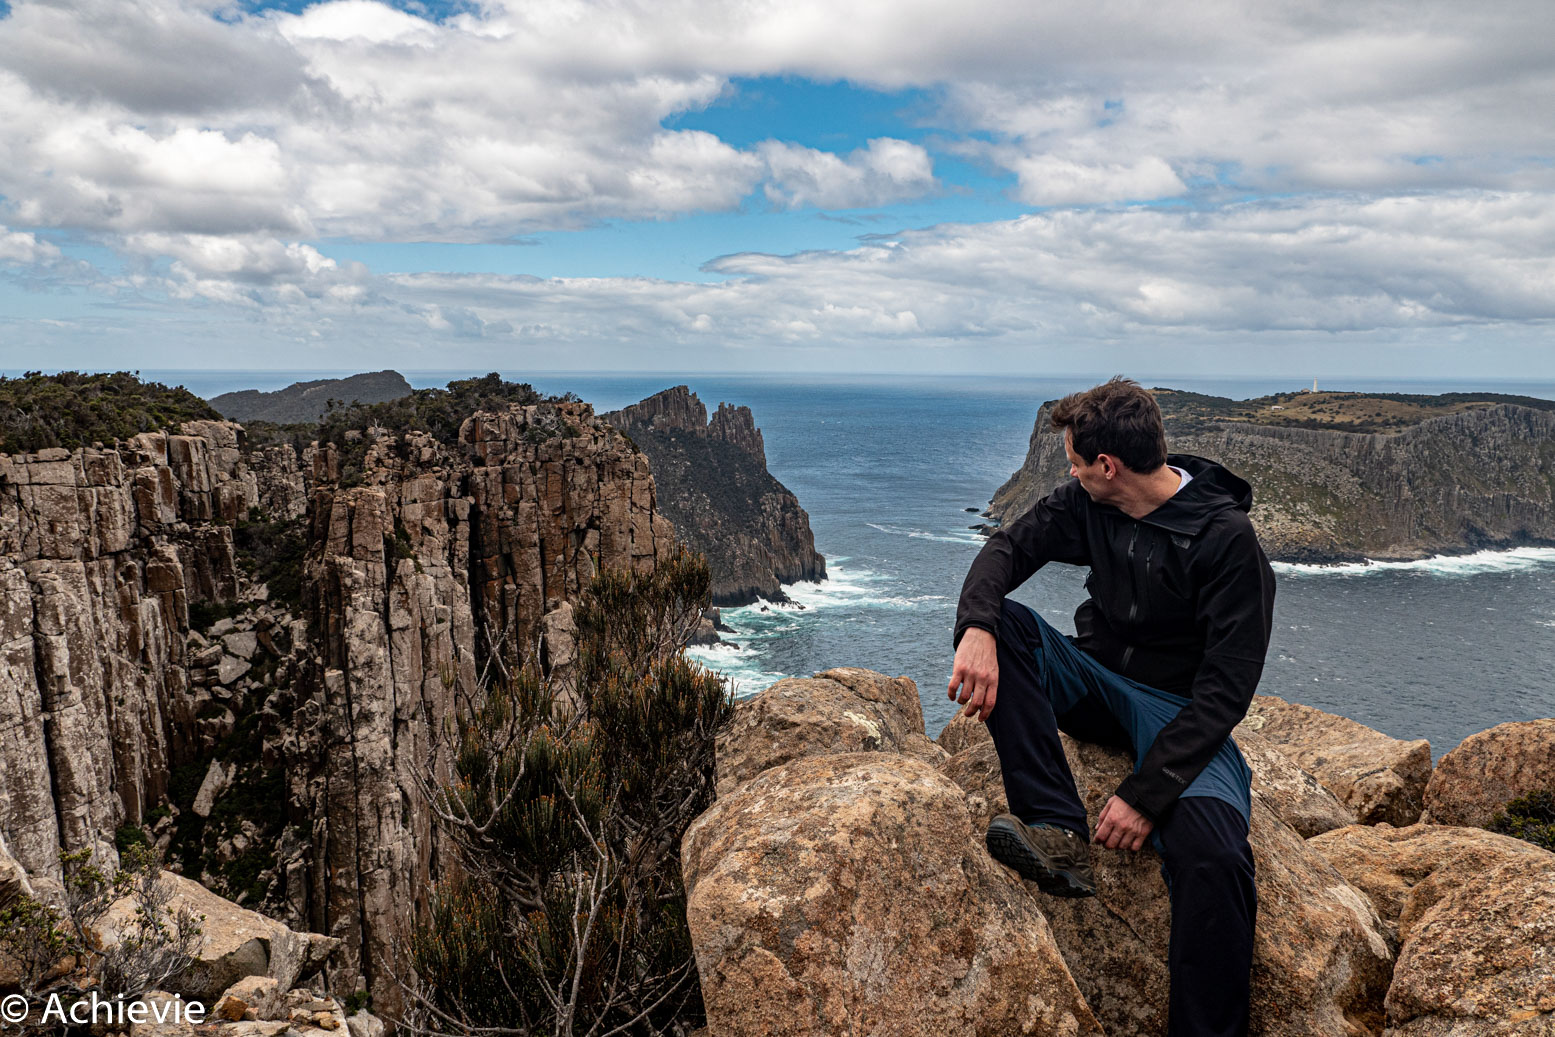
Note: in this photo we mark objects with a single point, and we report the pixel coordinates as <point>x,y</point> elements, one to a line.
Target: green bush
<point>271,552</point>
<point>1530,817</point>
<point>52,951</point>
<point>566,810</point>
<point>129,835</point>
<point>73,409</point>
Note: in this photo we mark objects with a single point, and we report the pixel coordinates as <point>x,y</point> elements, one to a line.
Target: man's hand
<point>974,679</point>
<point>1120,826</point>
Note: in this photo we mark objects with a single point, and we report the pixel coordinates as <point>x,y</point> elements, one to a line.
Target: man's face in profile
<point>1092,474</point>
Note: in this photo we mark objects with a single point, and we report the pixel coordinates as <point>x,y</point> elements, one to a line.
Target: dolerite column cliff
<point>102,551</point>
<point>714,486</point>
<point>1478,479</point>
<point>445,553</point>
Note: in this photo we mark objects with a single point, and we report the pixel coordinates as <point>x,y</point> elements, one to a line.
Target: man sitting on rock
<point>1168,650</point>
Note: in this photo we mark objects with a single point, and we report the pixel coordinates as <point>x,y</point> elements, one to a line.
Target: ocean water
<point>893,470</point>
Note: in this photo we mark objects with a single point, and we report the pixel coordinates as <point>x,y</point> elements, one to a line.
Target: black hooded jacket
<point>1181,599</point>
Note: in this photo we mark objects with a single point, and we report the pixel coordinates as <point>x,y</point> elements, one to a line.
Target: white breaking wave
<point>1515,560</point>
<point>737,666</point>
<point>762,621</point>
<point>843,588</point>
<point>949,536</point>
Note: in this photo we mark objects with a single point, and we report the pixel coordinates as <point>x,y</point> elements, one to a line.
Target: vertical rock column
<point>101,552</point>
<point>411,579</point>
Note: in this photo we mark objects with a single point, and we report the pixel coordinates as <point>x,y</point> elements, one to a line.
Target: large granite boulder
<point>1472,913</point>
<point>849,894</point>
<point>1388,864</point>
<point>1476,779</point>
<point>234,942</point>
<point>1478,962</point>
<point>841,710</point>
<point>1321,959</point>
<point>1380,779</point>
<point>1293,795</point>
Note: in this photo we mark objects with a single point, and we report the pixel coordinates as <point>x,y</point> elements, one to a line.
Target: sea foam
<point>1515,560</point>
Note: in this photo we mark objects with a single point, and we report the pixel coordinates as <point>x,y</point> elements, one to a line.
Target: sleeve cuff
<point>1140,799</point>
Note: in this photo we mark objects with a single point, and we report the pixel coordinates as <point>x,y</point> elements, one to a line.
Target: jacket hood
<point>1213,489</point>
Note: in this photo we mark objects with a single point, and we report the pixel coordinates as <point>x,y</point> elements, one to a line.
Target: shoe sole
<point>1007,847</point>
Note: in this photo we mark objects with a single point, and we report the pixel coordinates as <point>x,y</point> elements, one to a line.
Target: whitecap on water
<point>1515,560</point>
<point>846,588</point>
<point>738,666</point>
<point>948,536</point>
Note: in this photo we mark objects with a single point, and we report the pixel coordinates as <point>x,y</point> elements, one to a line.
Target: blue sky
<point>688,185</point>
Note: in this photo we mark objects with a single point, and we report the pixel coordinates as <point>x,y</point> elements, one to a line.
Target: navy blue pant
<point>1047,685</point>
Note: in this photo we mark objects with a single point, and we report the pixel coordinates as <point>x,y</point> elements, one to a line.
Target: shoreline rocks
<point>714,486</point>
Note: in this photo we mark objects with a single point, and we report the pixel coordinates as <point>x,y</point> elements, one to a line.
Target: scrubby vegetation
<point>72,409</point>
<point>1188,412</point>
<point>1530,817</point>
<point>270,551</point>
<point>254,807</point>
<point>54,950</point>
<point>567,804</point>
<point>436,411</point>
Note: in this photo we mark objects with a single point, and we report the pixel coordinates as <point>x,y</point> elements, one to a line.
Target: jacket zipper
<point>1133,605</point>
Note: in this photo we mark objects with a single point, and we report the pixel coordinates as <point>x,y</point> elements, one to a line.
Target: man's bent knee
<point>1018,626</point>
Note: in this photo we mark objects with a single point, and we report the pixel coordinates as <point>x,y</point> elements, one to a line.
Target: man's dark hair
<point>1118,417</point>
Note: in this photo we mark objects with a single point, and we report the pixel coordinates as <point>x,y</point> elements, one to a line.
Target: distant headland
<point>1346,476</point>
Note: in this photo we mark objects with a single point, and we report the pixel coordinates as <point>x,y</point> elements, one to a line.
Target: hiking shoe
<point>1056,859</point>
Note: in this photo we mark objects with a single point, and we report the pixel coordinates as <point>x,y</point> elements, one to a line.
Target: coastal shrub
<point>271,551</point>
<point>439,412</point>
<point>567,802</point>
<point>73,409</point>
<point>1530,817</point>
<point>54,950</point>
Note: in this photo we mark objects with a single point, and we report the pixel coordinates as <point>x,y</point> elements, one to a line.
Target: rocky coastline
<point>243,653</point>
<point>1472,480</point>
<point>714,486</point>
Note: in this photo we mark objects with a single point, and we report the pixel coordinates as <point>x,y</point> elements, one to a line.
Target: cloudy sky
<point>1352,187</point>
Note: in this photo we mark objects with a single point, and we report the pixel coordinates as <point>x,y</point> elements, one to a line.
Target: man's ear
<point>1109,465</point>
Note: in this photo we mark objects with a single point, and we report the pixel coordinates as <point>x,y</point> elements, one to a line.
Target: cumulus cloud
<point>885,171</point>
<point>23,249</point>
<point>1407,169</point>
<point>1050,180</point>
<point>1425,263</point>
<point>355,118</point>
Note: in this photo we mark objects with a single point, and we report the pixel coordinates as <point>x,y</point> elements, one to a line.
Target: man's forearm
<point>1187,744</point>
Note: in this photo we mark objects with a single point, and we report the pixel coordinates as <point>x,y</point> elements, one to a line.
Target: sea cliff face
<point>102,553</point>
<point>1467,481</point>
<point>714,486</point>
<point>119,700</point>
